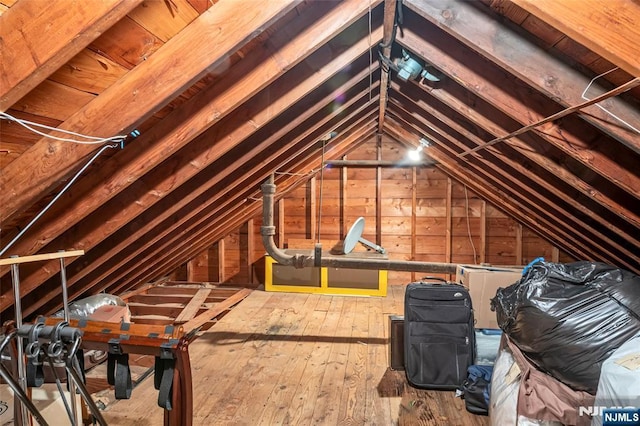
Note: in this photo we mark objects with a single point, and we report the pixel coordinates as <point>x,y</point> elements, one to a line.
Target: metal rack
<point>57,344</point>
<point>59,340</point>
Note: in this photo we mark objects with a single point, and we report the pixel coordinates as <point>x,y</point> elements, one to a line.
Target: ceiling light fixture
<point>414,154</point>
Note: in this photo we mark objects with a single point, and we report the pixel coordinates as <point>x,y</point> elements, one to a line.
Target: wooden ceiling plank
<point>548,205</point>
<point>32,50</point>
<point>177,245</point>
<point>389,33</point>
<point>213,214</point>
<point>201,112</point>
<point>117,269</point>
<point>205,237</point>
<point>502,90</point>
<point>135,97</point>
<point>453,101</point>
<point>154,187</point>
<point>611,29</point>
<point>164,19</point>
<point>524,147</point>
<point>480,182</point>
<point>503,44</point>
<point>525,208</point>
<point>215,209</point>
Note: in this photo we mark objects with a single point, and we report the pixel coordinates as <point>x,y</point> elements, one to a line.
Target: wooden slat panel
<point>611,30</point>
<point>201,319</point>
<point>193,306</point>
<point>208,39</point>
<point>504,46</point>
<point>35,50</point>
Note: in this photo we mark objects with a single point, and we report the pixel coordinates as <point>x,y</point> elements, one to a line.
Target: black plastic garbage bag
<point>569,318</point>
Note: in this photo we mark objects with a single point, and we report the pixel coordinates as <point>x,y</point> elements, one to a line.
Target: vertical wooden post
<point>190,267</point>
<point>379,190</point>
<point>448,233</point>
<point>483,232</point>
<point>343,200</point>
<point>555,254</point>
<point>221,262</point>
<point>250,248</point>
<point>311,209</point>
<point>414,206</point>
<point>519,244</point>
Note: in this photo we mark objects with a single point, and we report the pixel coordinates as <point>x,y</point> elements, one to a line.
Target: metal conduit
<point>268,230</point>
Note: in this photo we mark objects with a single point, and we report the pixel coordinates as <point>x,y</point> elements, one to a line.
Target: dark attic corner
<point>386,212</point>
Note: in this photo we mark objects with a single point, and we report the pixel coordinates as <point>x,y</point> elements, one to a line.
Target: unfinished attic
<point>236,212</point>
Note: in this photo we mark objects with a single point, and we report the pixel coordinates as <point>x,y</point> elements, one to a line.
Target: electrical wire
<point>370,56</point>
<point>466,197</point>
<point>73,179</point>
<point>30,125</point>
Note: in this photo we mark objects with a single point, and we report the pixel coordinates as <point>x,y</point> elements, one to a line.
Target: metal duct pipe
<point>268,230</point>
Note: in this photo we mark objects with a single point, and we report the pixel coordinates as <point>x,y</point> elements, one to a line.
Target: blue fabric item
<point>474,372</point>
<point>533,262</point>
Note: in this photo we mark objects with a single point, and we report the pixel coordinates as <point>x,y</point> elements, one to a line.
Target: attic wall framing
<point>416,213</point>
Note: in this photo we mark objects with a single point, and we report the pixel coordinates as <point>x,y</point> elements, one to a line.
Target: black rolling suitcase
<point>439,337</point>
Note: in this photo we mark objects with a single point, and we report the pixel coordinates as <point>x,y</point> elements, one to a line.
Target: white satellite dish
<point>355,236</point>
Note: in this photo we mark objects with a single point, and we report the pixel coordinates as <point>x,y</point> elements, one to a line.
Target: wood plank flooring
<point>300,359</point>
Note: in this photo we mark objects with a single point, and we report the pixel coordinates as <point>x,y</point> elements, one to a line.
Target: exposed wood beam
<point>209,39</point>
<point>389,29</point>
<point>379,190</point>
<point>194,305</point>
<point>376,163</point>
<point>222,273</point>
<point>216,228</point>
<point>211,221</point>
<point>448,235</point>
<point>482,169</point>
<point>156,185</point>
<point>476,179</point>
<point>525,208</point>
<point>216,310</point>
<point>480,29</point>
<point>311,209</point>
<point>414,207</point>
<point>558,176</point>
<point>36,39</point>
<point>483,232</point>
<point>507,94</point>
<point>570,110</point>
<point>135,234</point>
<point>518,244</point>
<point>611,29</point>
<point>536,204</point>
<point>201,112</point>
<point>175,202</point>
<point>280,221</point>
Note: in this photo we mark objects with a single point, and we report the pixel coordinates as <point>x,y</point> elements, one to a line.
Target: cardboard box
<point>396,342</point>
<point>47,400</point>
<point>483,283</point>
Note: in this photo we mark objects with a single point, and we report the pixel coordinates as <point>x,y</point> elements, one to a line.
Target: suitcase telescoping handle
<point>435,279</point>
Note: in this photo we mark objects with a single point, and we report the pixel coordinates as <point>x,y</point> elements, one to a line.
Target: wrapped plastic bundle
<point>83,308</point>
<point>569,318</point>
<point>619,384</point>
<point>505,385</point>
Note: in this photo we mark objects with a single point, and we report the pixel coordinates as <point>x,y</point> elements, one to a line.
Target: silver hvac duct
<point>268,230</point>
